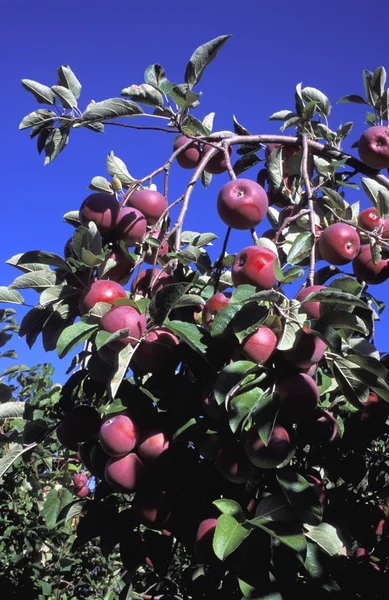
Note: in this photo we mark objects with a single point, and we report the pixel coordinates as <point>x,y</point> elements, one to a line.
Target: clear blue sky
<point>109,45</point>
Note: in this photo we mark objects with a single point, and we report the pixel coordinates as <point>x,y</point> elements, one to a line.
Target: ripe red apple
<point>319,428</point>
<point>272,455</point>
<point>203,549</point>
<point>255,266</point>
<point>152,507</point>
<point>130,226</point>
<point>307,350</point>
<point>82,492</point>
<point>242,204</point>
<point>153,444</point>
<point>232,463</point>
<point>125,474</point>
<point>373,147</point>
<point>366,270</point>
<point>124,317</point>
<point>311,308</point>
<point>123,269</point>
<point>141,284</point>
<point>79,480</point>
<point>152,250</point>
<point>369,219</point>
<point>100,291</point>
<point>339,244</point>
<point>299,396</point>
<point>78,425</point>
<point>217,164</point>
<point>100,208</point>
<point>212,307</point>
<point>118,436</point>
<point>149,202</point>
<point>374,409</point>
<point>190,157</point>
<point>211,408</point>
<point>156,353</point>
<point>260,345</point>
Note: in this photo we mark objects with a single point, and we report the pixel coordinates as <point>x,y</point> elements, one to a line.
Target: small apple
<point>307,350</point>
<point>102,290</point>
<point>299,396</point>
<point>191,156</point>
<point>242,204</point>
<point>217,164</point>
<point>156,353</point>
<point>255,266</point>
<point>149,202</point>
<point>311,308</point>
<point>118,436</point>
<point>124,317</point>
<point>366,270</point>
<point>272,455</point>
<point>130,226</point>
<point>339,244</point>
<point>212,307</point>
<point>125,474</point>
<point>100,208</point>
<point>260,345</point>
<point>141,285</point>
<point>373,147</point>
<point>369,219</point>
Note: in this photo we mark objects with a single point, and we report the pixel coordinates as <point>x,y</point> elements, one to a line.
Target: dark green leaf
<point>241,406</point>
<point>301,495</point>
<point>38,117</point>
<point>275,169</point>
<point>9,296</point>
<point>188,333</point>
<point>55,142</point>
<point>245,163</point>
<point>42,93</point>
<point>45,258</point>
<point>111,109</point>
<point>65,95</point>
<point>228,536</point>
<point>354,98</point>
<point>192,125</point>
<point>155,76</point>
<point>145,94</point>
<point>230,376</point>
<point>67,79</point>
<point>74,335</point>
<point>201,58</point>
<point>162,303</point>
<point>238,128</point>
<point>301,248</point>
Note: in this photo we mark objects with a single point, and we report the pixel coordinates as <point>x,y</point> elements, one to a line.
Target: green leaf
<point>183,96</point>
<point>274,507</point>
<point>301,495</point>
<point>74,335</point>
<point>38,117</point>
<point>162,303</point>
<point>35,280</point>
<point>12,410</point>
<point>124,358</point>
<point>335,296</point>
<point>45,258</point>
<point>111,109</point>
<point>245,163</point>
<point>10,296</point>
<point>229,507</point>
<point>101,184</point>
<point>206,179</point>
<point>193,125</point>
<point>349,384</point>
<point>67,79</point>
<point>201,58</point>
<point>87,238</point>
<point>55,142</point>
<point>15,451</point>
<point>301,248</point>
<point>188,333</point>
<point>288,533</point>
<point>275,169</point>
<point>327,538</point>
<point>313,95</point>
<point>55,501</point>
<point>378,80</point>
<point>65,95</point>
<point>242,405</point>
<point>230,376</point>
<point>228,536</point>
<point>282,115</point>
<point>354,98</point>
<point>115,166</point>
<point>145,94</point>
<point>238,128</point>
<point>155,75</point>
<point>42,93</point>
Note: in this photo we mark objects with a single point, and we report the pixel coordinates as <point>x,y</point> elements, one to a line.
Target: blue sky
<point>109,45</point>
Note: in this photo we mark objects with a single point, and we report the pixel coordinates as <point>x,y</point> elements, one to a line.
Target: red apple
<point>232,463</point>
<point>149,202</point>
<point>152,507</point>
<point>255,266</point>
<point>80,480</point>
<point>211,408</point>
<point>82,492</point>
<point>212,307</point>
<point>366,270</point>
<point>100,291</point>
<point>311,308</point>
<point>272,455</point>
<point>121,272</point>
<point>373,147</point>
<point>242,204</point>
<point>217,164</point>
<point>319,428</point>
<point>339,244</point>
<point>153,444</point>
<point>369,219</point>
<point>124,317</point>
<point>190,157</point>
<point>118,436</point>
<point>125,474</point>
<point>299,396</point>
<point>130,226</point>
<point>260,345</point>
<point>307,350</point>
<point>203,549</point>
<point>156,353</point>
<point>142,282</point>
<point>152,251</point>
<point>100,208</point>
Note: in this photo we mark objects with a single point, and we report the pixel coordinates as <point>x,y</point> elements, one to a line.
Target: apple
<point>272,455</point>
<point>299,396</point>
<point>339,244</point>
<point>191,156</point>
<point>118,436</point>
<point>152,251</point>
<point>319,428</point>
<point>373,147</point>
<point>374,408</point>
<point>82,492</point>
<point>156,353</point>
<point>203,548</point>
<point>80,480</point>
<point>153,444</point>
<point>287,153</point>
<point>242,204</point>
<point>365,269</point>
<point>369,219</point>
<point>152,507</point>
<point>125,474</point>
<point>78,425</point>
<point>100,291</point>
<point>260,345</point>
<point>212,307</point>
<point>307,350</point>
<point>124,317</point>
<point>217,164</point>
<point>130,226</point>
<point>149,202</point>
<point>311,308</point>
<point>254,265</point>
<point>122,271</point>
<point>211,408</point>
<point>232,463</point>
<point>100,208</point>
<point>142,282</point>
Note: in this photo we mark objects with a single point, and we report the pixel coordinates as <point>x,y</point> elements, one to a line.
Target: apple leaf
<point>155,76</point>
<point>42,93</point>
<point>12,410</point>
<point>201,58</point>
<point>229,507</point>
<point>327,538</point>
<point>301,495</point>
<point>36,280</point>
<point>310,94</point>
<point>353,98</point>
<point>111,109</point>
<point>145,94</point>
<point>300,248</point>
<point>73,335</point>
<point>230,376</point>
<point>38,117</point>
<point>67,79</point>
<point>55,142</point>
<point>65,95</point>
<point>9,296</point>
<point>228,536</point>
<point>45,258</point>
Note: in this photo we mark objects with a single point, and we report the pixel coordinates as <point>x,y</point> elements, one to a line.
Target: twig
<point>219,262</point>
<point>311,208</point>
<point>149,127</point>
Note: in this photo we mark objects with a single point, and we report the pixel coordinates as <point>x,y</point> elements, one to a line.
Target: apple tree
<point>230,407</point>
